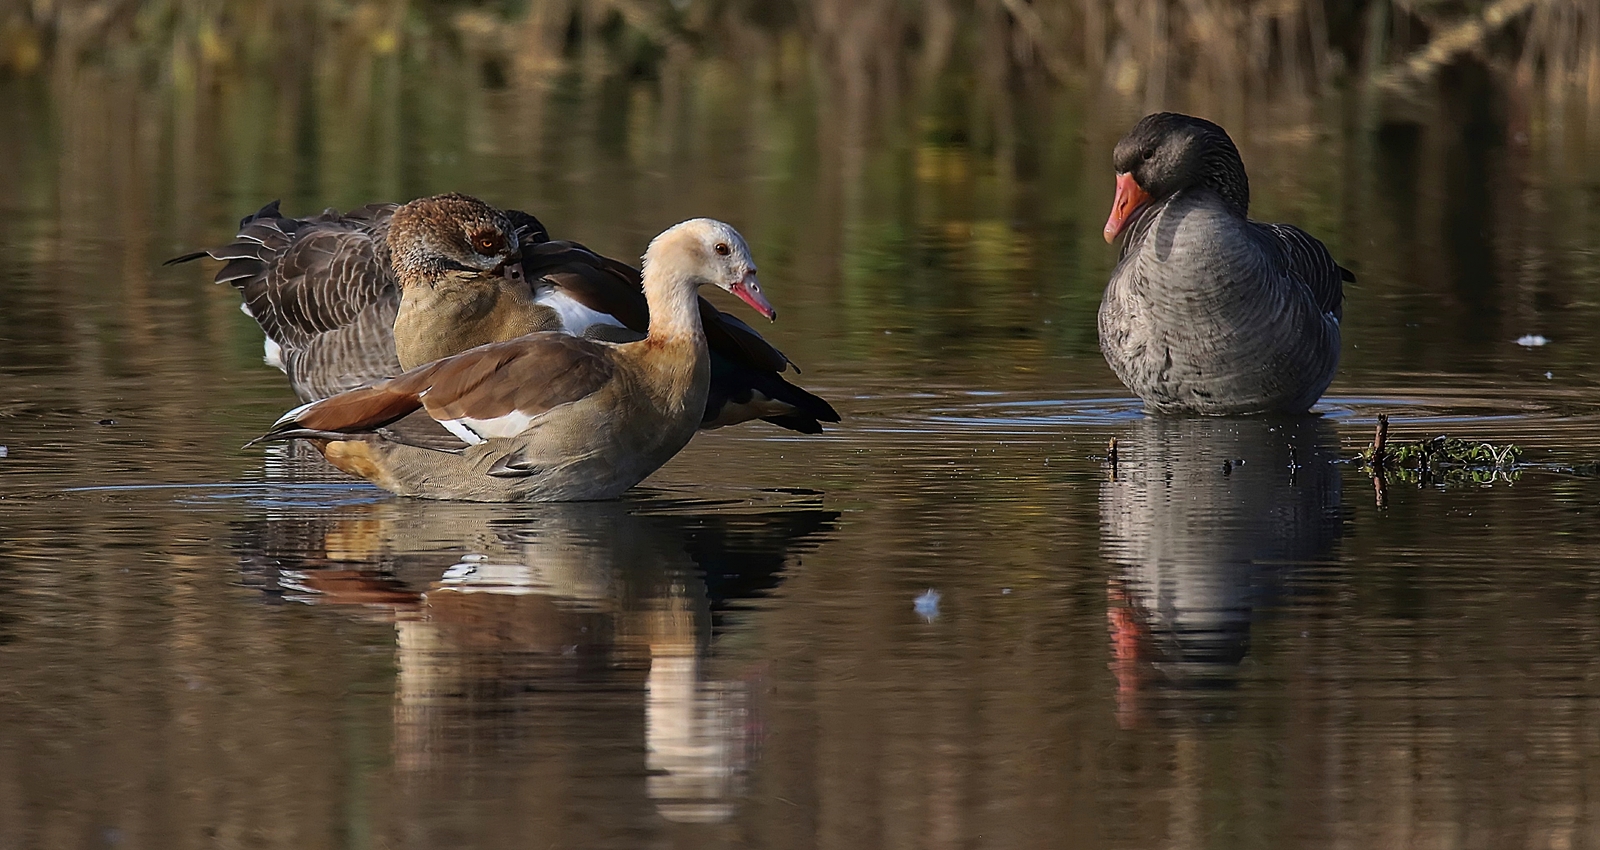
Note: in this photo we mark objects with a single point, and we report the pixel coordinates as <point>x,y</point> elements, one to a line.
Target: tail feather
<point>739,393</point>
<point>268,211</point>
<point>187,258</point>
<point>241,268</point>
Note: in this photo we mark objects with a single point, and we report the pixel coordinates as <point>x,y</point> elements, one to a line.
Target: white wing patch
<point>456,427</point>
<point>272,354</point>
<point>576,318</point>
<point>293,414</point>
<point>509,425</point>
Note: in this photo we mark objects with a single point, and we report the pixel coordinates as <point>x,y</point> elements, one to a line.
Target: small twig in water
<point>1380,439</point>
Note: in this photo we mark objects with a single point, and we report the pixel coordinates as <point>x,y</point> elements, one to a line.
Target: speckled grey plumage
<point>1208,312</point>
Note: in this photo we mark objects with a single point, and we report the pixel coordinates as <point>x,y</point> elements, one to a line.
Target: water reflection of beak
<point>1131,197</point>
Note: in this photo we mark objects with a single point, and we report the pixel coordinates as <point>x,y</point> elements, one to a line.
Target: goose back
<point>1209,312</point>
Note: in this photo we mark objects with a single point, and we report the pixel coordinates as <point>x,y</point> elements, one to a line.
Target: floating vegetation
<point>1449,460</point>
<point>1442,459</point>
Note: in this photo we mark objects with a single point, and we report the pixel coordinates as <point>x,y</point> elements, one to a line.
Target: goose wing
<point>1303,257</point>
<point>491,391</point>
<point>323,291</point>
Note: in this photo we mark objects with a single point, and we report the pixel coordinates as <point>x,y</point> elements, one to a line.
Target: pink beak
<point>749,291</point>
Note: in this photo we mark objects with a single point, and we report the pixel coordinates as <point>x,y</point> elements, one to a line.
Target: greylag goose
<point>348,299</point>
<point>547,416</point>
<point>1207,311</point>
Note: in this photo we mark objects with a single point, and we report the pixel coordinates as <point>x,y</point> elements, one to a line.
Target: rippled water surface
<point>951,621</point>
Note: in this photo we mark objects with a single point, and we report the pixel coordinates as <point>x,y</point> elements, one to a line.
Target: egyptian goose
<point>1207,311</point>
<point>547,416</point>
<point>348,299</point>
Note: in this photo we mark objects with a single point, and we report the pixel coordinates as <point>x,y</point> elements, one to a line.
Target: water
<point>1226,639</point>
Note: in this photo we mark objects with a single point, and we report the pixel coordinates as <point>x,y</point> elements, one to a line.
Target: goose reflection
<point>530,640</point>
<point>1206,517</point>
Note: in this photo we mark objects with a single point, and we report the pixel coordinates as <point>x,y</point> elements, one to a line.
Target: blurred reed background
<point>940,161</point>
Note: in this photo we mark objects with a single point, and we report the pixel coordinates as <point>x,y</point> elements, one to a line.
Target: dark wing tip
<point>797,422</point>
<point>300,434</point>
<point>268,211</point>
<point>529,229</point>
<point>1347,275</point>
<point>186,258</point>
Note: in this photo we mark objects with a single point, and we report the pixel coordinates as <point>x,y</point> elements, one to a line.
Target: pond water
<point>947,622</point>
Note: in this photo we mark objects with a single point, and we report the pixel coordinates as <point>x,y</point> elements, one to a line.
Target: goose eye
<point>1149,155</point>
<point>723,249</point>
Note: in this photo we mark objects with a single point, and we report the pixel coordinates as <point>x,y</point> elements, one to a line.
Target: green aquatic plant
<point>1441,459</point>
<point>1445,451</point>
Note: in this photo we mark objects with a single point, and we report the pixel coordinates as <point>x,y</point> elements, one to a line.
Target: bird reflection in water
<point>1207,518</point>
<point>520,627</point>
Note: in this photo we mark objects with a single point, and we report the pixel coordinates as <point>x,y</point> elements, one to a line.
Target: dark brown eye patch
<point>487,241</point>
<point>723,249</point>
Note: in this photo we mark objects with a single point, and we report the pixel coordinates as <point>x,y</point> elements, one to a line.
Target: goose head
<point>1166,153</point>
<point>706,251</point>
<point>452,236</point>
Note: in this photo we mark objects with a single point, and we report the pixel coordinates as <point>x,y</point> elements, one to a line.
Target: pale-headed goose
<point>547,416</point>
<point>1207,311</point>
<point>348,299</point>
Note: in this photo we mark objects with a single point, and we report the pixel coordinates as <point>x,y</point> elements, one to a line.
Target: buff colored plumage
<point>547,416</point>
<point>348,299</point>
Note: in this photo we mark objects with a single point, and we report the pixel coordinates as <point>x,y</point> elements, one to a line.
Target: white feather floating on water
<point>1532,341</point>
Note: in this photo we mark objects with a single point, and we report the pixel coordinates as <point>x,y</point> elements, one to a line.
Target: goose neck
<point>673,299</point>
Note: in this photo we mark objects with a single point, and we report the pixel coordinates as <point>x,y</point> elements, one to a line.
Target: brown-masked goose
<point>1207,311</point>
<point>347,299</point>
<point>548,416</point>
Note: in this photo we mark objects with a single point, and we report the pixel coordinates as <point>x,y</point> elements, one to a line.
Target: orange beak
<point>1131,197</point>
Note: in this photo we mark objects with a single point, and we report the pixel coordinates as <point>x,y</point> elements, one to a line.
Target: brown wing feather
<point>349,412</point>
<point>595,281</point>
<point>322,288</point>
<point>530,375</point>
<point>322,280</point>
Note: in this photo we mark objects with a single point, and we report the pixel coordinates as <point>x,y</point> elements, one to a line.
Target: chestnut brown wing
<point>492,384</point>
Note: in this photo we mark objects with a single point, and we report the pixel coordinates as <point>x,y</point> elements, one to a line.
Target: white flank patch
<point>509,425</point>
<point>575,317</point>
<point>272,353</point>
<point>456,427</point>
<point>245,309</point>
